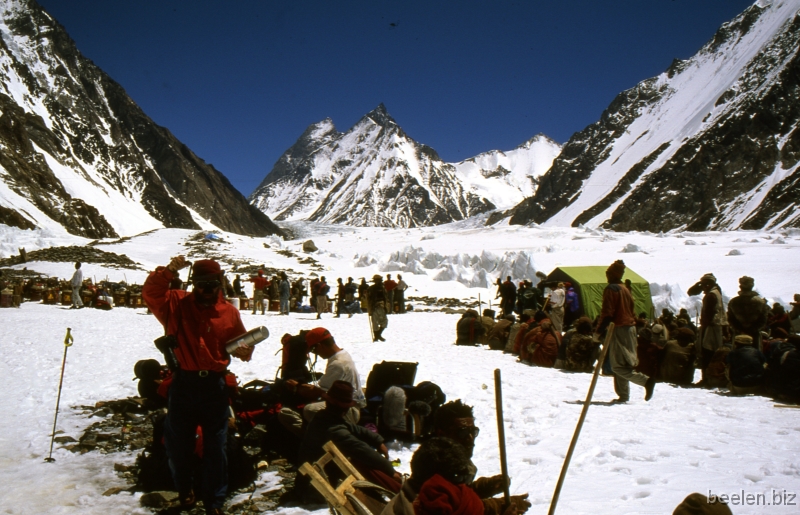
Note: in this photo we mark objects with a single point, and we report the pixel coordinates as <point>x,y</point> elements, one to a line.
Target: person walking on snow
<point>377,300</point>
<point>284,291</point>
<point>618,308</point>
<point>76,282</point>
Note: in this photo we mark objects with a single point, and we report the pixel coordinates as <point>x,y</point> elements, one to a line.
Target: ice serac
<point>76,152</point>
<point>711,143</point>
<point>376,175</point>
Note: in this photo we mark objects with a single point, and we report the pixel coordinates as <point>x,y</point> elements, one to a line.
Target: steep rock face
<point>375,175</point>
<point>79,153</point>
<point>712,143</point>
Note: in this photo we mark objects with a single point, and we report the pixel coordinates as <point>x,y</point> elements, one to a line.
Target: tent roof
<point>597,274</point>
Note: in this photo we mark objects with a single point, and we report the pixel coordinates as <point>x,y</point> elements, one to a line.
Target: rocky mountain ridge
<point>77,153</point>
<point>711,143</point>
<point>374,174</point>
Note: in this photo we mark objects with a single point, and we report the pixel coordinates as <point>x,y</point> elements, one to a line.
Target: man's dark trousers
<point>198,401</point>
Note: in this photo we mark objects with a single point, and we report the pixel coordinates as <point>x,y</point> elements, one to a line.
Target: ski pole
<point>67,345</point>
<point>585,409</point>
<point>501,435</point>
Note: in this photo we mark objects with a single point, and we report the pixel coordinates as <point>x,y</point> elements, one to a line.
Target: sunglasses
<point>207,285</point>
<point>466,432</point>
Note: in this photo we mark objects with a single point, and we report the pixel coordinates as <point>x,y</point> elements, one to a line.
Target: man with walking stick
<point>618,308</point>
<point>197,326</point>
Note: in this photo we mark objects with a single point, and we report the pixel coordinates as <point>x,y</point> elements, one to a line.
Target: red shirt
<point>201,331</point>
<point>259,282</point>
<point>389,285</point>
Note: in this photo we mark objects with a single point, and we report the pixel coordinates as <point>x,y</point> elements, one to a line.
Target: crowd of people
<point>311,411</point>
<point>749,348</point>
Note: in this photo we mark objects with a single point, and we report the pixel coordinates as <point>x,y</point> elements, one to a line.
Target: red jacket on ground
<point>201,331</point>
<point>546,351</point>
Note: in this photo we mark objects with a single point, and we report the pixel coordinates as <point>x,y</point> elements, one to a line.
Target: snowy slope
<point>375,175</point>
<point>710,143</point>
<point>638,458</point>
<point>77,153</point>
<point>506,178</point>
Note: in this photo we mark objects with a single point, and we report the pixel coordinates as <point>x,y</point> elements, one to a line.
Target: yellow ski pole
<point>67,344</point>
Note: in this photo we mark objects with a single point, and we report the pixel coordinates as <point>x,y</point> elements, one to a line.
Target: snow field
<point>637,458</point>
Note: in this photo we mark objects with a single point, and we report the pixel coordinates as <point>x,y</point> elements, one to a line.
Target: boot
<point>378,336</point>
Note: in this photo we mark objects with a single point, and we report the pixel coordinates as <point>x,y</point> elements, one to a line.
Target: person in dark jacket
<point>784,369</point>
<point>745,367</point>
<point>508,296</point>
<point>340,294</point>
<point>237,286</point>
<point>779,319</point>
<point>469,329</point>
<point>363,287</point>
<point>284,292</point>
<point>747,312</point>
<point>377,306</point>
<point>365,449</point>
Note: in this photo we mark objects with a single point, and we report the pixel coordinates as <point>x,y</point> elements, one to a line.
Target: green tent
<point>590,281</point>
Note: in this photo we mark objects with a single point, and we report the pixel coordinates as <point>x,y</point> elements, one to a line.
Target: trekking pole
<point>501,435</point>
<point>67,345</point>
<point>480,306</point>
<point>585,409</point>
<point>371,330</point>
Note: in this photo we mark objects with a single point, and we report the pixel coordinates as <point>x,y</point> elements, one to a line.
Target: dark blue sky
<point>239,81</point>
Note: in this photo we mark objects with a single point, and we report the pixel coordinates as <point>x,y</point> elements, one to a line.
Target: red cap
<point>205,267</point>
<point>316,335</point>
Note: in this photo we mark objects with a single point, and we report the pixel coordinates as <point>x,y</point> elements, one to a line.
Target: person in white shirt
<point>76,282</point>
<point>340,367</point>
<point>556,304</point>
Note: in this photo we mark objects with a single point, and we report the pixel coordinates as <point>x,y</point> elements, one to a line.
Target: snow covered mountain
<point>77,153</point>
<point>375,175</point>
<point>713,142</point>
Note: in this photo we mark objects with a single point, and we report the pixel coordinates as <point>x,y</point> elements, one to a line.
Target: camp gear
<point>387,374</point>
<point>68,341</point>
<point>167,344</point>
<point>584,411</point>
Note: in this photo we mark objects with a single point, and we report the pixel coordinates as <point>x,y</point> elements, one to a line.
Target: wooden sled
<point>350,497</point>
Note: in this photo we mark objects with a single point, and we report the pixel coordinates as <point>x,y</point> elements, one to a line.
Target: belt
<point>203,373</point>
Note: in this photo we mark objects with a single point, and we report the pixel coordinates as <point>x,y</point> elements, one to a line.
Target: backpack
<point>294,358</point>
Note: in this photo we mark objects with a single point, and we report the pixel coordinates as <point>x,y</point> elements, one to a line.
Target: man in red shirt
<point>259,283</point>
<point>201,322</point>
<point>389,285</point>
<point>618,308</point>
